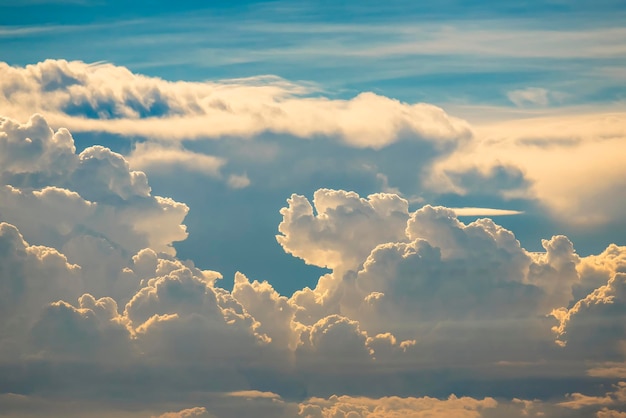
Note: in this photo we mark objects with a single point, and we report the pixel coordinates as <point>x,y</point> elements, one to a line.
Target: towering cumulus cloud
<point>97,308</point>
<point>57,195</point>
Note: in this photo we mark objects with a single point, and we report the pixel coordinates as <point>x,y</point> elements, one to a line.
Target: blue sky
<point>477,50</point>
<point>312,209</point>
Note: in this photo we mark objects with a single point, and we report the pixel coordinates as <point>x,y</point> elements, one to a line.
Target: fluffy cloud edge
<point>112,99</point>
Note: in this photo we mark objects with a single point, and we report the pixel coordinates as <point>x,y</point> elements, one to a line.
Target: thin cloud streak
<point>469,211</point>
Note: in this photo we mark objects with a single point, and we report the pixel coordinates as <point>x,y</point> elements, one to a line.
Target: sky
<point>312,209</point>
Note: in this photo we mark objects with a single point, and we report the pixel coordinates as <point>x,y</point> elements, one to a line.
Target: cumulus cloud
<point>275,313</point>
<point>33,148</point>
<point>437,280</point>
<point>109,98</point>
<point>94,330</point>
<point>93,280</point>
<point>579,324</point>
<point>180,315</point>
<point>55,195</point>
<point>30,278</point>
<point>340,229</point>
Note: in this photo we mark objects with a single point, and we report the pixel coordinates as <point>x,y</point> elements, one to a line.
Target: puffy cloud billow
<point>91,206</point>
<point>97,308</point>
<point>109,98</point>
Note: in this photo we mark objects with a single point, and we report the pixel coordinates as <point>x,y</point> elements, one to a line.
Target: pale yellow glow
<point>575,162</point>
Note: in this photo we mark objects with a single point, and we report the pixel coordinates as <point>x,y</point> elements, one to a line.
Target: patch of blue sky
<point>439,61</point>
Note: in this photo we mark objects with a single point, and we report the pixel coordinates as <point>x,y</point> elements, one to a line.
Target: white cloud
<point>155,157</point>
<point>348,407</point>
<point>33,148</point>
<point>437,277</point>
<point>545,150</point>
<point>579,401</point>
<point>275,313</point>
<point>253,394</point>
<point>531,96</point>
<point>470,211</point>
<point>56,195</point>
<point>179,314</point>
<point>111,99</point>
<point>30,278</point>
<point>577,324</point>
<point>344,227</point>
<point>238,181</point>
<point>417,291</point>
<point>198,411</point>
<point>94,331</point>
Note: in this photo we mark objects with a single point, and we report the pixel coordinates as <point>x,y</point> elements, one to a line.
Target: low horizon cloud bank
<point>97,308</point>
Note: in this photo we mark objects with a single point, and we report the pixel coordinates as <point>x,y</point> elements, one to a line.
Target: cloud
<point>383,314</point>
<point>34,148</point>
<point>94,331</point>
<point>500,42</point>
<point>608,369</point>
<point>604,303</point>
<point>180,315</point>
<point>614,397</point>
<point>347,406</point>
<point>579,401</point>
<point>276,313</point>
<point>469,211</point>
<point>599,295</point>
<point>30,278</point>
<point>344,227</point>
<point>238,181</point>
<point>186,413</point>
<point>155,157</point>
<point>543,151</point>
<point>531,96</point>
<point>433,284</point>
<point>56,195</point>
<point>411,295</point>
<point>108,98</point>
<point>441,278</point>
<point>253,394</point>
